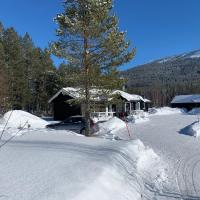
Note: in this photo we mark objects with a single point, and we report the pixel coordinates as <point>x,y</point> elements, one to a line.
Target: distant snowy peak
<point>194,54</point>
<point>165,60</point>
<point>190,55</point>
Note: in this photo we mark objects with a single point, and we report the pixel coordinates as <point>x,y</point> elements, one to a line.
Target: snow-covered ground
<point>152,160</point>
<point>194,111</point>
<point>55,165</point>
<point>165,111</point>
<point>180,151</point>
<point>22,119</point>
<point>192,129</point>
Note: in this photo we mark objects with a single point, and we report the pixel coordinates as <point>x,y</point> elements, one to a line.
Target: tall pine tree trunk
<point>87,84</point>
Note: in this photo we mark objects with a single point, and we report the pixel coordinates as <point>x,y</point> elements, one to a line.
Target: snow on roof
<point>96,94</point>
<point>147,101</point>
<point>75,93</point>
<point>127,96</point>
<point>195,98</point>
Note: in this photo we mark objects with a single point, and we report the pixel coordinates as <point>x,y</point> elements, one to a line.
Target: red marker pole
<point>124,119</point>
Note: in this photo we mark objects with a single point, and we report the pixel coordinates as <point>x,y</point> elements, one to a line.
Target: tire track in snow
<point>188,173</point>
<point>193,180</point>
<point>177,175</point>
<point>185,176</point>
<point>163,135</point>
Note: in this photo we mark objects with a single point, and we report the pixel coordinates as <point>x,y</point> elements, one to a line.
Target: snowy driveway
<point>181,152</point>
<point>49,165</point>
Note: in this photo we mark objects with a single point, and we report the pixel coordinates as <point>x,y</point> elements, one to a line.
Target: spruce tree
<point>15,68</point>
<point>3,81</point>
<point>46,89</point>
<point>89,38</point>
<point>27,47</point>
<point>27,73</point>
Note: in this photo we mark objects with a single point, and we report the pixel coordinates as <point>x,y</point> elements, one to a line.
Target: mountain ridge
<point>164,78</point>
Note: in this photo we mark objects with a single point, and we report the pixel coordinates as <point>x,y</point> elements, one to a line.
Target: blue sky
<point>157,28</point>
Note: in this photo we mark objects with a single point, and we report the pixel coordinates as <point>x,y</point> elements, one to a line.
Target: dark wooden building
<point>186,101</point>
<point>63,108</point>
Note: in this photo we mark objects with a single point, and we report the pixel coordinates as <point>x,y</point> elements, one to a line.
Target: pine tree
<point>89,38</point>
<point>66,75</point>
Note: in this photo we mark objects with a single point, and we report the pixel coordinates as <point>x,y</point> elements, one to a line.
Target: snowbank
<point>22,119</point>
<point>126,174</point>
<point>164,111</point>
<point>138,118</point>
<point>112,125</point>
<point>192,130</point>
<point>111,128</point>
<point>149,165</point>
<point>194,111</point>
<point>101,118</point>
<point>80,168</point>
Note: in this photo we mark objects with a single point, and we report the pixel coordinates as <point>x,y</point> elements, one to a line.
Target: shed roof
<point>193,98</point>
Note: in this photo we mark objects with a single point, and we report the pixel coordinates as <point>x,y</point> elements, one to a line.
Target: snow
<point>190,55</point>
<point>56,165</point>
<point>157,161</point>
<point>195,54</point>
<point>73,92</point>
<point>139,118</point>
<point>147,100</point>
<point>113,125</point>
<point>192,129</point>
<point>164,111</point>
<point>22,119</point>
<point>180,152</point>
<point>194,111</point>
<point>165,60</point>
<point>194,98</point>
<point>112,129</point>
<point>97,94</point>
<point>101,118</point>
<point>127,96</point>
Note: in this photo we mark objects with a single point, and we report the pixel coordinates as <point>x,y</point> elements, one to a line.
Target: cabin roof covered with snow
<point>130,97</point>
<point>75,93</point>
<point>195,98</point>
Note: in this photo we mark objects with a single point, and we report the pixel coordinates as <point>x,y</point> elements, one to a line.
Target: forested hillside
<point>162,79</point>
<point>28,77</point>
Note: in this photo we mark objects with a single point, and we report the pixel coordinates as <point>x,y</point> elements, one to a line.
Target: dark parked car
<point>74,123</point>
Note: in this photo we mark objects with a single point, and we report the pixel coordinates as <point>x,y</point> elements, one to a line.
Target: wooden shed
<point>186,101</point>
